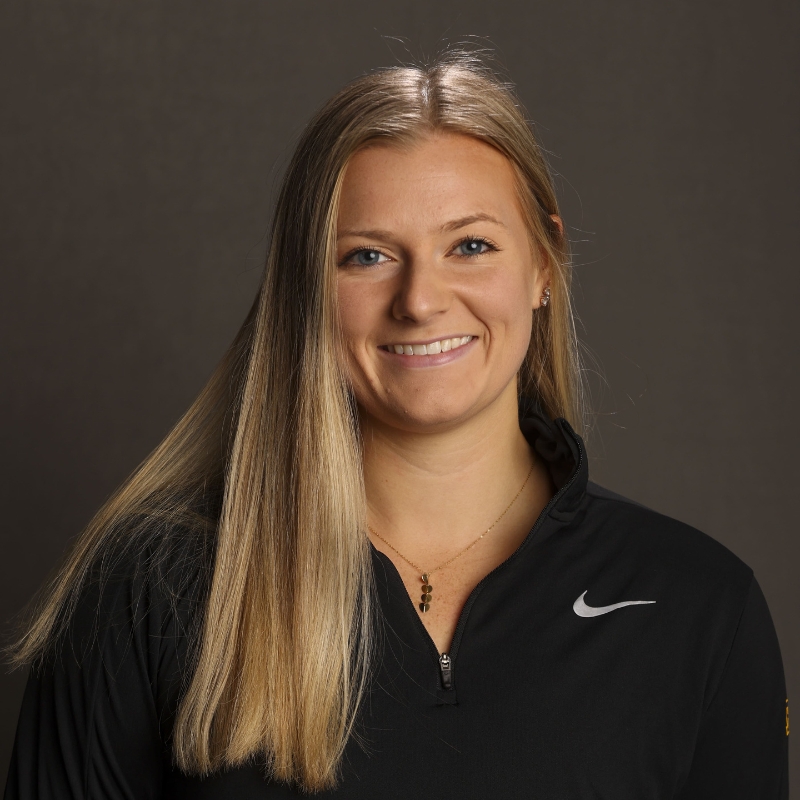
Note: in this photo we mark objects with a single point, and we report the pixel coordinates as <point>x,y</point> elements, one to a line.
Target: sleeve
<point>741,751</point>
<point>93,716</point>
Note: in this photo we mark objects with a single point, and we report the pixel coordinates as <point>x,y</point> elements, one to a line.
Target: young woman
<point>368,561</point>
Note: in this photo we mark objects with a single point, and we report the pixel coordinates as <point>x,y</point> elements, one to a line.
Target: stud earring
<point>546,296</point>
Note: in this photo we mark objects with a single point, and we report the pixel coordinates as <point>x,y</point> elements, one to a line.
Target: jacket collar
<point>557,444</point>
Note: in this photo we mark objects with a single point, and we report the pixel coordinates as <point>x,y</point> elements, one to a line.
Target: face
<point>437,280</point>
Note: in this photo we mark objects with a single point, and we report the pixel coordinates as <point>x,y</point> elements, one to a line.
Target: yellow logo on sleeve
<point>787,716</point>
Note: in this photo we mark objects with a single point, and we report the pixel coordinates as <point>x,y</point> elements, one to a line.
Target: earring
<point>546,296</point>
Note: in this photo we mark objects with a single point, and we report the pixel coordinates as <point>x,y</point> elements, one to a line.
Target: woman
<point>368,561</point>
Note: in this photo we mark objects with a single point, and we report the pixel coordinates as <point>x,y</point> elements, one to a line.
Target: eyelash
<point>479,239</point>
<point>493,248</point>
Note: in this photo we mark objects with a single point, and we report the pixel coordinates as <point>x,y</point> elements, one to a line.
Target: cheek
<point>517,323</point>
<point>508,308</point>
<point>354,313</point>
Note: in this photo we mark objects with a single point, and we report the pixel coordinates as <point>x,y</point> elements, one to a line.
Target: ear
<point>559,223</point>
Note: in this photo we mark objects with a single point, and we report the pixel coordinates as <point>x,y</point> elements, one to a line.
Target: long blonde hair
<point>283,652</point>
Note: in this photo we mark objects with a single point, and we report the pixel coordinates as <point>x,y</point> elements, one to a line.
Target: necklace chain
<point>426,596</point>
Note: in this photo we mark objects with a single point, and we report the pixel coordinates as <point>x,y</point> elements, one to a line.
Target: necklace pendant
<point>426,594</point>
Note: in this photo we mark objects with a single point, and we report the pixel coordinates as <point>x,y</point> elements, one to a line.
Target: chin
<point>424,413</point>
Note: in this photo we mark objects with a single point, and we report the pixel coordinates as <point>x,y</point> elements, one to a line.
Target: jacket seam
<point>617,498</point>
<point>95,691</point>
<point>730,647</point>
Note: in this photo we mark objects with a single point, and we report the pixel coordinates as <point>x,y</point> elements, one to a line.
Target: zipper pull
<point>446,666</point>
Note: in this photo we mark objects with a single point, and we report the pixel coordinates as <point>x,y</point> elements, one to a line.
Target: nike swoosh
<point>582,610</point>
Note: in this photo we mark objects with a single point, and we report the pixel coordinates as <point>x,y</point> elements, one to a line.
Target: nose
<point>422,292</point>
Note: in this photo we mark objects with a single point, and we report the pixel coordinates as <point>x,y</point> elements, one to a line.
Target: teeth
<point>443,346</point>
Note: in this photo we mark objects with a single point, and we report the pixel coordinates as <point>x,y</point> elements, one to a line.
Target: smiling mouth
<point>429,349</point>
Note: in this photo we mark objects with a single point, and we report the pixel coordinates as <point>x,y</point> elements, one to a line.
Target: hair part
<point>286,643</point>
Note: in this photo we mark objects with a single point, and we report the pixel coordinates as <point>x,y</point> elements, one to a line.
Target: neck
<point>428,493</point>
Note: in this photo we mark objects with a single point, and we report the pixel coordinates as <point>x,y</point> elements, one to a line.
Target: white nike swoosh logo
<point>582,610</point>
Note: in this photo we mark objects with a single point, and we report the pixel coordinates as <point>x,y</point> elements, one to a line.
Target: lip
<point>436,360</point>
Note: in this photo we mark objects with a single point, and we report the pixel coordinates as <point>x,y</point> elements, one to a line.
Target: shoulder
<point>129,636</point>
<point>144,592</point>
<point>663,543</point>
<point>101,699</point>
<point>701,588</point>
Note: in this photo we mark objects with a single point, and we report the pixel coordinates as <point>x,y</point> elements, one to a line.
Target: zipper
<point>446,659</point>
<point>446,668</point>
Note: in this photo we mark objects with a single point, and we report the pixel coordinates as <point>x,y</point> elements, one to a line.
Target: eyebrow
<point>455,224</point>
<point>448,227</point>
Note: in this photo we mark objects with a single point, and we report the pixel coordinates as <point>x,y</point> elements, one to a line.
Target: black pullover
<point>548,692</point>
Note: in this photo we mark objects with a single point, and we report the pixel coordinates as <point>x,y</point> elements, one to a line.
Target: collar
<point>564,452</point>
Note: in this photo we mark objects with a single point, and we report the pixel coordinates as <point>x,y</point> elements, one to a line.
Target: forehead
<point>443,175</point>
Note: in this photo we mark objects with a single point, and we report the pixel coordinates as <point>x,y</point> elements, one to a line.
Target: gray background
<point>141,146</point>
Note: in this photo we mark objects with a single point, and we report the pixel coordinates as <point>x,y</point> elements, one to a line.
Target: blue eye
<point>472,247</point>
<point>366,257</point>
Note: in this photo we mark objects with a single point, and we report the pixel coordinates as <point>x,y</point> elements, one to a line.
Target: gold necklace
<point>425,603</point>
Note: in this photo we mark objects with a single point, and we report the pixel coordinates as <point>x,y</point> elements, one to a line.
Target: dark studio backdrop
<point>141,146</point>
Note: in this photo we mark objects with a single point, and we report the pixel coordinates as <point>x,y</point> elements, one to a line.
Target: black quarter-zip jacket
<point>617,654</point>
